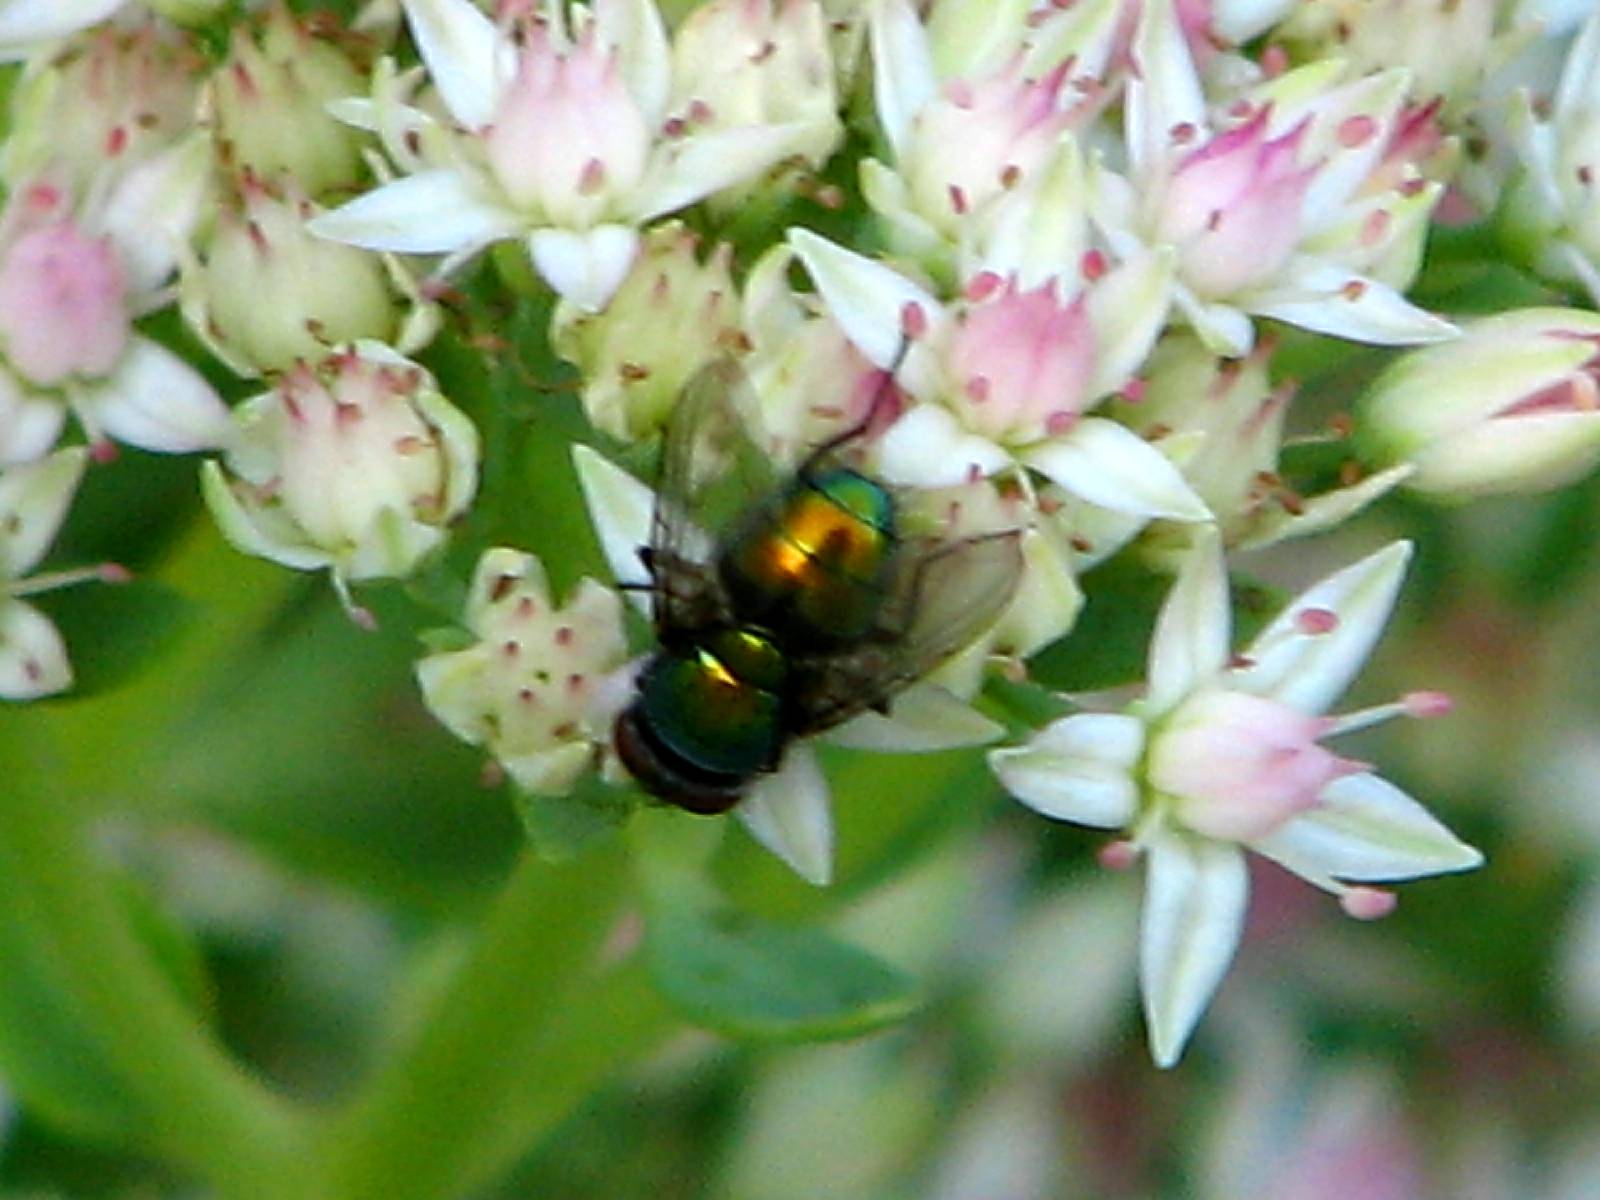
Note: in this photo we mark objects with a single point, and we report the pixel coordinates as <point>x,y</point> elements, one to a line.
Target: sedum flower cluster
<point>1055,262</point>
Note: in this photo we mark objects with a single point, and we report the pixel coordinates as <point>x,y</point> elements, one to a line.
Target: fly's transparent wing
<point>712,473</point>
<point>944,596</point>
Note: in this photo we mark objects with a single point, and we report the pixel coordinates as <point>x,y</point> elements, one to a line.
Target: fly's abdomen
<point>813,567</point>
<point>707,721</point>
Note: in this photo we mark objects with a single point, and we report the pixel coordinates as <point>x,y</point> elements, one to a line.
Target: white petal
<point>1579,85</point>
<point>26,21</point>
<point>29,425</point>
<point>1366,830</point>
<point>923,718</point>
<point>1128,309</point>
<point>1109,465</point>
<point>432,212</point>
<point>1237,21</point>
<point>157,401</point>
<point>551,771</point>
<point>33,660</point>
<point>154,208</point>
<point>1343,167</point>
<point>788,813</point>
<point>1039,232</point>
<point>635,29</point>
<point>697,166</point>
<point>249,532</point>
<point>1194,907</point>
<point>866,297</point>
<point>1223,328</point>
<point>1324,512</point>
<point>902,69</point>
<point>34,499</point>
<point>467,58</point>
<point>911,234</point>
<point>1528,453</point>
<point>1077,769</point>
<point>622,511</point>
<point>1048,597</point>
<point>1327,298</point>
<point>1310,671</point>
<point>927,447</point>
<point>585,268</point>
<point>389,548</point>
<point>1190,643</point>
<point>1163,88</point>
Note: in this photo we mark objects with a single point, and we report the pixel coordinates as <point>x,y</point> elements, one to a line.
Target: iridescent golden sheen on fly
<point>784,606</point>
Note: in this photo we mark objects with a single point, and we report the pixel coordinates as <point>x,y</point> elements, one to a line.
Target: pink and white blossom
<point>70,288</point>
<point>1006,376</point>
<point>1267,206</point>
<point>561,137</point>
<point>1224,752</point>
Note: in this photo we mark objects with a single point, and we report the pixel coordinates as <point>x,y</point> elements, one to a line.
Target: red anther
<point>1357,130</point>
<point>1058,423</point>
<point>913,320</point>
<point>1427,704</point>
<point>983,285</point>
<point>1316,621</point>
<point>1117,856</point>
<point>1368,903</point>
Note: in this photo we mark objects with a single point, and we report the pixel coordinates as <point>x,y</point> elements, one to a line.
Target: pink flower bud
<point>1240,765</point>
<point>1020,363</point>
<point>982,136</point>
<point>568,134</point>
<point>63,304</point>
<point>1232,207</point>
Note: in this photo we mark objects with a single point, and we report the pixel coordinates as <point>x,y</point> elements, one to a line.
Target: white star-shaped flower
<point>1223,754</point>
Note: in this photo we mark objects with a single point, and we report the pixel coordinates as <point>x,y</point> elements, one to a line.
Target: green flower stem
<point>438,1113</point>
<point>606,1025</point>
<point>195,1104</point>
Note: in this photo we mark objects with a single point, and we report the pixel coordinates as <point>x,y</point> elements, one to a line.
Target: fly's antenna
<point>913,323</point>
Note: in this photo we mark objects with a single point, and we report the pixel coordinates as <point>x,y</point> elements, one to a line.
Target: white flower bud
<point>538,689</point>
<point>1513,406</point>
<point>357,464</point>
<point>268,293</point>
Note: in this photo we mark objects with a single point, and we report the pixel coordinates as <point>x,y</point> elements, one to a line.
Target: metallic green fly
<point>784,606</point>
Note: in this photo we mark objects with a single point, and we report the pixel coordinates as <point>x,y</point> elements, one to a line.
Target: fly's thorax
<point>813,564</point>
<point>708,718</point>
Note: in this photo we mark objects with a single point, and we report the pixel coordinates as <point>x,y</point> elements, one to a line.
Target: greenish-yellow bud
<point>267,293</point>
<point>673,313</point>
<point>268,104</point>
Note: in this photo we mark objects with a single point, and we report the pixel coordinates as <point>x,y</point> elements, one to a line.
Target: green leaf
<point>751,978</point>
